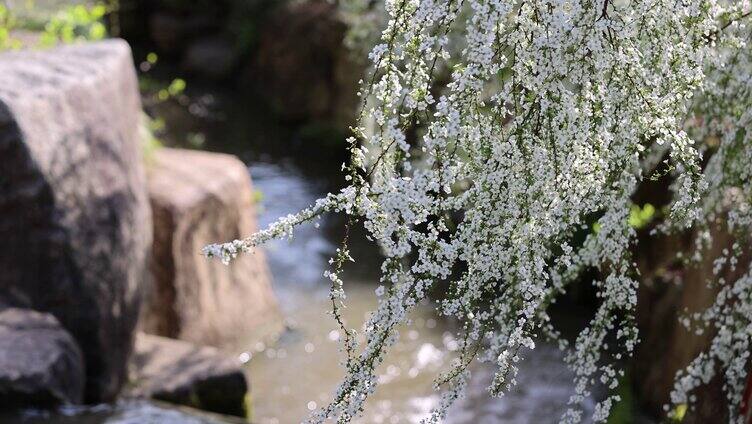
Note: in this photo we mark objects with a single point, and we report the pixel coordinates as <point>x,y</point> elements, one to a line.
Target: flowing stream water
<point>298,371</point>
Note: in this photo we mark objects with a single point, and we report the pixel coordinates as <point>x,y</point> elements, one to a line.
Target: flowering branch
<point>551,113</point>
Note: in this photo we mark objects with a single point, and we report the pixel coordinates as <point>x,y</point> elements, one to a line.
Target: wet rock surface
<point>40,363</point>
<point>73,198</point>
<point>179,372</point>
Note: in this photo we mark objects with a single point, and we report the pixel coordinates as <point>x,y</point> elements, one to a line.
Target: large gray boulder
<point>199,198</point>
<point>180,372</point>
<point>40,363</point>
<point>75,216</point>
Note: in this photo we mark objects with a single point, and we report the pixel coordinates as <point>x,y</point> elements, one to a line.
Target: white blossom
<point>552,114</point>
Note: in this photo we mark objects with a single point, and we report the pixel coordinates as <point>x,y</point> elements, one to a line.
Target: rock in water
<point>40,363</point>
<point>200,198</point>
<point>182,373</point>
<point>302,68</point>
<point>75,220</point>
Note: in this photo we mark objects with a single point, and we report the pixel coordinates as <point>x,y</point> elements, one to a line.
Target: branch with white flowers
<point>547,116</point>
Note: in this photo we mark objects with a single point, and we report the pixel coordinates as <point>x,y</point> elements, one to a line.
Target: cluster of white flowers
<point>283,227</point>
<point>549,115</point>
<point>723,117</point>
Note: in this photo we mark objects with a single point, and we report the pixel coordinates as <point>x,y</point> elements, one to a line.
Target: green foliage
<point>149,141</point>
<point>257,197</point>
<point>678,413</point>
<point>176,88</point>
<point>248,406</point>
<point>641,217</point>
<point>155,91</point>
<point>70,24</point>
<point>7,23</point>
<point>75,23</point>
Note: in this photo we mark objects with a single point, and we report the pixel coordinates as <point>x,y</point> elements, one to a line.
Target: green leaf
<point>176,86</point>
<point>97,31</point>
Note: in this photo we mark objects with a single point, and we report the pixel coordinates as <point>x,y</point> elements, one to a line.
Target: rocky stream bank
<point>102,270</point>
